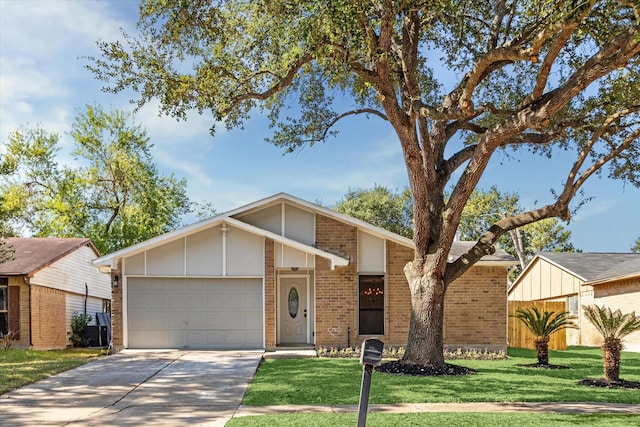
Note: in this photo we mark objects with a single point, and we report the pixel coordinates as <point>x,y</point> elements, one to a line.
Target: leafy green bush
<point>79,324</point>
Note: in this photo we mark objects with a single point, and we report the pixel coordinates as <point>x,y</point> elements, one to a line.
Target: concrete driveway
<point>134,388</point>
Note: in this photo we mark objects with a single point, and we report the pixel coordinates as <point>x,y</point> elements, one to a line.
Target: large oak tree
<point>532,74</point>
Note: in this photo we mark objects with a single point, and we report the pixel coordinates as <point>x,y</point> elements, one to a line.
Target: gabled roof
<point>230,217</point>
<point>32,254</point>
<point>592,267</point>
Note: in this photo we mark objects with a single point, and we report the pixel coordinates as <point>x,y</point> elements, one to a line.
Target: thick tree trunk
<point>611,354</point>
<point>425,344</point>
<point>542,350</point>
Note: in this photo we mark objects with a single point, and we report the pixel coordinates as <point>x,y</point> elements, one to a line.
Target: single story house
<point>47,281</point>
<point>285,272</point>
<point>604,279</point>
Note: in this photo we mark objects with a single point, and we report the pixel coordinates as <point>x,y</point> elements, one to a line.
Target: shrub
<point>79,324</point>
<point>7,339</point>
<point>398,352</point>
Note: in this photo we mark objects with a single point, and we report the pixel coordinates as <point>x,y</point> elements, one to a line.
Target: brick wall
<point>269,295</point>
<point>475,308</point>
<point>117,337</point>
<point>336,290</point>
<point>49,318</point>
<point>475,304</point>
<point>24,341</point>
<point>623,295</point>
<point>398,308</point>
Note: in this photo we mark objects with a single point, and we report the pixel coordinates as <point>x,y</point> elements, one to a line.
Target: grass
<point>437,418</point>
<point>337,381</point>
<point>22,367</point>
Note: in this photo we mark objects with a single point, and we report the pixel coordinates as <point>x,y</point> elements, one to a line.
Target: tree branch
<point>277,87</point>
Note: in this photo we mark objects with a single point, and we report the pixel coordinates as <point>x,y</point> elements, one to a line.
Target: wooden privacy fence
<point>520,336</point>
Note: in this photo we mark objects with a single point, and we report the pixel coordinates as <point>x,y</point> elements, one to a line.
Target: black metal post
<point>364,395</point>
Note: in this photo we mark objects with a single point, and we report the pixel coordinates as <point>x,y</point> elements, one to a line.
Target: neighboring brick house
<point>47,281</point>
<point>604,279</point>
<point>285,272</point>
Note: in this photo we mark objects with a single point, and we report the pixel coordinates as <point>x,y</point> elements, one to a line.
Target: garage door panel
<point>194,313</point>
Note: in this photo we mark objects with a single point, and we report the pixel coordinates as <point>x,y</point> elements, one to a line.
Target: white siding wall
<point>299,225</point>
<point>267,219</point>
<point>209,253</point>
<point>287,257</point>
<point>204,253</point>
<point>72,272</point>
<point>75,304</point>
<point>167,260</point>
<point>371,253</point>
<point>245,253</point>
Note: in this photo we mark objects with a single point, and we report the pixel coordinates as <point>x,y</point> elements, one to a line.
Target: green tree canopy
<point>636,247</point>
<point>381,207</point>
<point>457,81</point>
<point>115,195</point>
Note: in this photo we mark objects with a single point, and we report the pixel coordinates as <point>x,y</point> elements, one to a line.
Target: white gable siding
<point>208,253</point>
<point>245,253</point>
<point>268,219</point>
<point>287,257</point>
<point>72,272</point>
<point>204,253</point>
<point>167,260</point>
<point>135,264</point>
<point>299,225</point>
<point>371,253</point>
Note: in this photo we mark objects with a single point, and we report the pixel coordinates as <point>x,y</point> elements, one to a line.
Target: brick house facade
<point>47,281</point>
<point>282,272</point>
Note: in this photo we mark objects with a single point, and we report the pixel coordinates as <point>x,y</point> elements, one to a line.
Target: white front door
<point>293,310</point>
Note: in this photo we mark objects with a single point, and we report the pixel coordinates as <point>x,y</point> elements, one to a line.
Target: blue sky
<point>43,81</point>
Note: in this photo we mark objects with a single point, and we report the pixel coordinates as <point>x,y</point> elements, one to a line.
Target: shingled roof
<point>591,267</point>
<point>33,254</point>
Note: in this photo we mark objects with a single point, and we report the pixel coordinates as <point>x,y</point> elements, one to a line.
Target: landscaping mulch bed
<point>397,367</point>
<point>601,382</point>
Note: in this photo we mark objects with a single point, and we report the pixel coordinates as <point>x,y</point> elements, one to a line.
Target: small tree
<point>613,326</point>
<point>543,325</point>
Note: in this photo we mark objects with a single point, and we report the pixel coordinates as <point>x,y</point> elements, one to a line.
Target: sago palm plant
<point>613,326</point>
<point>543,325</point>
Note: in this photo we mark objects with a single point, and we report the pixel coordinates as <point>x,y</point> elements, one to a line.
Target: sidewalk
<point>548,407</point>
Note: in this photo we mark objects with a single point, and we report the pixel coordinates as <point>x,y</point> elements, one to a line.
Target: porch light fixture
<point>116,279</point>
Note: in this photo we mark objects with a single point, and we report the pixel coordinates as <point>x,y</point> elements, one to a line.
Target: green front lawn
<point>22,367</point>
<point>437,419</point>
<point>337,381</point>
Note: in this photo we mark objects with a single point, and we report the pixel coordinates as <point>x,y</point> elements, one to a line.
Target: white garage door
<point>194,313</point>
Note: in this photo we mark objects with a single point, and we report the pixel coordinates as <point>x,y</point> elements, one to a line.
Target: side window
<point>572,305</point>
<point>371,305</point>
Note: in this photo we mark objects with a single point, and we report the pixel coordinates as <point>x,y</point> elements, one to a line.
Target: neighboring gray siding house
<point>609,279</point>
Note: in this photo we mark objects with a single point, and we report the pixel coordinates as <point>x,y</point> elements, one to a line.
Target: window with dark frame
<point>371,305</point>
